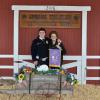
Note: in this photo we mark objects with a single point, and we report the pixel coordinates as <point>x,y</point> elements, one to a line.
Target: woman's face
<point>53,37</point>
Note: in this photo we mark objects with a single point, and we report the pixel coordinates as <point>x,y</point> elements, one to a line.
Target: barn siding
<point>70,37</point>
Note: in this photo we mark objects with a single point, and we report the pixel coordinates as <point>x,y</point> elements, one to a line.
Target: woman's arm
<point>61,46</point>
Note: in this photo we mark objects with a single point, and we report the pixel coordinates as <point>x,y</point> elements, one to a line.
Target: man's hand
<point>44,59</point>
<point>35,63</point>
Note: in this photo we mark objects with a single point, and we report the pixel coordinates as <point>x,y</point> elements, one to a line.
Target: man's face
<point>42,34</point>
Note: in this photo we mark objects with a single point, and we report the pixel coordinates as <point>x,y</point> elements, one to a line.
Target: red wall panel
<point>70,37</point>
<point>93,62</point>
<point>6,29</point>
<point>6,61</point>
<point>93,73</point>
<point>6,72</point>
<point>96,82</point>
<point>72,70</point>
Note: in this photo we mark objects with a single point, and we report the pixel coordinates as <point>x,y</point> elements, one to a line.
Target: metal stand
<point>60,80</point>
<point>29,83</point>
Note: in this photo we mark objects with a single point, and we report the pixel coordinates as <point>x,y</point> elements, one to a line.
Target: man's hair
<point>42,29</point>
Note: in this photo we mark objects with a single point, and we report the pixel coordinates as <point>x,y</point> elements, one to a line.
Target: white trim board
<point>65,66</point>
<point>93,67</point>
<point>6,67</point>
<point>65,57</point>
<point>93,78</point>
<point>6,56</point>
<point>3,77</point>
<point>71,65</point>
<point>51,8</point>
<point>93,57</point>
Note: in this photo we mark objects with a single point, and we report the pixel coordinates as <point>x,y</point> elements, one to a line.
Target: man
<point>40,48</point>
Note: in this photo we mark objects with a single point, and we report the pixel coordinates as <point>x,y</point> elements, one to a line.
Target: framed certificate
<point>54,58</point>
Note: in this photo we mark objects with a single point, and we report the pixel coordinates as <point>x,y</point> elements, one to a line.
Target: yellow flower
<point>62,72</point>
<point>21,76</point>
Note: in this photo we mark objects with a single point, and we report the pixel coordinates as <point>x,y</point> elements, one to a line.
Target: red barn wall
<point>70,37</point>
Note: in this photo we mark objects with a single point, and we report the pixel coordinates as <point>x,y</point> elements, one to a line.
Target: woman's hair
<point>53,32</point>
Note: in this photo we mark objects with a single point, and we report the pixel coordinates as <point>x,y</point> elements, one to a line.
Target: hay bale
<point>81,92</point>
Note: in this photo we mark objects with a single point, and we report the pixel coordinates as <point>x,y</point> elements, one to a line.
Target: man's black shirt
<point>40,48</point>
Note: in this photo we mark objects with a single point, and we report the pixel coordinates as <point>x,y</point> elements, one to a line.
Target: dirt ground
<point>81,92</point>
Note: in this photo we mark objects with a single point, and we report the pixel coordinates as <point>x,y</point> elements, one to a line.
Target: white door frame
<point>83,9</point>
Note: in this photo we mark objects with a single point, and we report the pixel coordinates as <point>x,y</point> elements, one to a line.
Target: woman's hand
<point>58,47</point>
<point>59,41</point>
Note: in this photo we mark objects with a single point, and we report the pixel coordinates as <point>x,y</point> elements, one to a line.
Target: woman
<point>56,43</point>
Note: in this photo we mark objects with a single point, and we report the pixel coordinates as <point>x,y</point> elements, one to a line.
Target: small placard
<point>54,58</point>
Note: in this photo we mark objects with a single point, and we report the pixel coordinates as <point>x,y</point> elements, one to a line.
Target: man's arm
<point>34,52</point>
